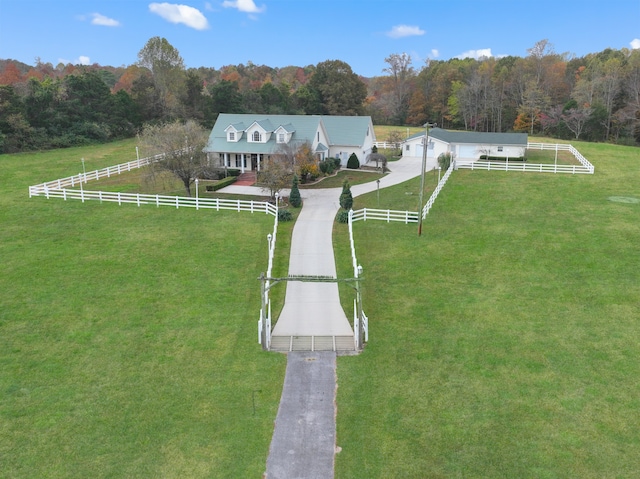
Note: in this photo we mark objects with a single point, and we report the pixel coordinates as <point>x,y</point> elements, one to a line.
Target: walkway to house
<point>304,439</point>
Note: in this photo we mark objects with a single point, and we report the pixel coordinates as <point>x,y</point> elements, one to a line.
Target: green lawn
<point>128,337</point>
<point>504,341</point>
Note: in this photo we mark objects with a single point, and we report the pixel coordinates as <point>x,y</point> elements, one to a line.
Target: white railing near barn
<point>522,166</point>
<point>563,147</point>
<point>385,215</point>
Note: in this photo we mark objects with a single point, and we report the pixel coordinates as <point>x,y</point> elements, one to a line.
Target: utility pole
<point>424,167</point>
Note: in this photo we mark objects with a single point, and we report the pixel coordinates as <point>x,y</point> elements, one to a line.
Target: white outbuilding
<point>466,145</point>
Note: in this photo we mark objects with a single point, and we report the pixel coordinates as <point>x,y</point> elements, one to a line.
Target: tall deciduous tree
<point>341,91</point>
<point>167,67</point>
<point>401,73</point>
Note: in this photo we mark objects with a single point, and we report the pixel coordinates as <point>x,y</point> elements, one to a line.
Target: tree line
<point>595,97</point>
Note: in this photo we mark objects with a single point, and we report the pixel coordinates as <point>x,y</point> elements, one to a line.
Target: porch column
<point>242,160</point>
<point>225,161</point>
<point>259,156</point>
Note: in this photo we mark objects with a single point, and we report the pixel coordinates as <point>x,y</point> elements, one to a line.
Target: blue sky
<point>279,33</point>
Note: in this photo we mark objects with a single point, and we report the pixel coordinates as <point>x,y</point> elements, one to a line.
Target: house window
<point>431,145</point>
<point>232,136</point>
<point>237,161</point>
<point>256,136</point>
<point>500,148</point>
<point>318,136</point>
<point>407,147</point>
<point>280,137</point>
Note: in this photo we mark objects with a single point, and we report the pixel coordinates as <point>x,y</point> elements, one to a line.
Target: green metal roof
<point>475,137</point>
<point>340,130</point>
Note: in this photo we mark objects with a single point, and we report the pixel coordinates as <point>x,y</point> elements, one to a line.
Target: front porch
<point>242,161</point>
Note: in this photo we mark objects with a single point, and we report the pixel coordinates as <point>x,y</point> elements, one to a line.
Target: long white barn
<point>466,145</point>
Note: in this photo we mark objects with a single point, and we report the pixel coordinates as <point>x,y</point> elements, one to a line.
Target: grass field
<point>504,341</point>
<point>128,338</point>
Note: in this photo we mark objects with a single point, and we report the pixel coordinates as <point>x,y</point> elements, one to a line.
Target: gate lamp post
<point>424,167</point>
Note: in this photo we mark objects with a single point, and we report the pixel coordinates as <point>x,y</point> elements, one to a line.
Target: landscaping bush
<point>285,215</point>
<point>342,216</point>
<point>222,183</point>
<point>353,163</point>
<point>336,163</point>
<point>502,158</point>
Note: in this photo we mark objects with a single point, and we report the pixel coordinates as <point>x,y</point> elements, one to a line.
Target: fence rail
<point>157,200</point>
<point>522,166</point>
<point>76,180</point>
<point>564,147</point>
<point>385,145</point>
<point>436,192</point>
<point>385,215</point>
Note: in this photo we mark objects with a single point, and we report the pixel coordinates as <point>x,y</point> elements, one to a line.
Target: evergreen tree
<point>294,197</point>
<point>346,199</point>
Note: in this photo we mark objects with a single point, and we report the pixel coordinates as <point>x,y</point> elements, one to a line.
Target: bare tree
<point>576,119</point>
<point>182,145</point>
<point>401,73</point>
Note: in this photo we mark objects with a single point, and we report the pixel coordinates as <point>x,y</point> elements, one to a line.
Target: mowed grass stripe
<point>504,341</point>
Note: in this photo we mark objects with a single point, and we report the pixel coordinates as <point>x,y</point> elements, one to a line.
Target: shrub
<point>374,149</point>
<point>346,198</point>
<point>353,163</point>
<point>222,183</point>
<point>294,197</point>
<point>342,216</point>
<point>336,163</point>
<point>444,160</point>
<point>284,215</point>
<point>502,158</point>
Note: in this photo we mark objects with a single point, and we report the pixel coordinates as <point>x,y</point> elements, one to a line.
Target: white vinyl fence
<point>76,180</point>
<point>161,200</point>
<point>585,167</point>
<point>436,192</point>
<point>265,316</point>
<point>385,215</point>
<point>59,189</point>
<point>357,271</point>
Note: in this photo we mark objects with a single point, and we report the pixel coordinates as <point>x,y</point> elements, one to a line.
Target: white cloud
<point>635,43</point>
<point>477,54</point>
<point>246,6</point>
<point>400,31</point>
<point>435,53</point>
<point>81,60</point>
<point>98,19</point>
<point>175,13</point>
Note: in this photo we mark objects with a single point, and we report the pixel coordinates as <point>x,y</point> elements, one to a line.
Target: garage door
<point>466,152</point>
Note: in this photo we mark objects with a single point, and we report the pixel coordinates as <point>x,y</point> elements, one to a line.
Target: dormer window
<point>232,136</point>
<point>281,138</point>
<point>256,136</point>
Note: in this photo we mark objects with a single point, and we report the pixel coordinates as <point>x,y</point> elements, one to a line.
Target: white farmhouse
<point>466,145</point>
<point>244,141</point>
